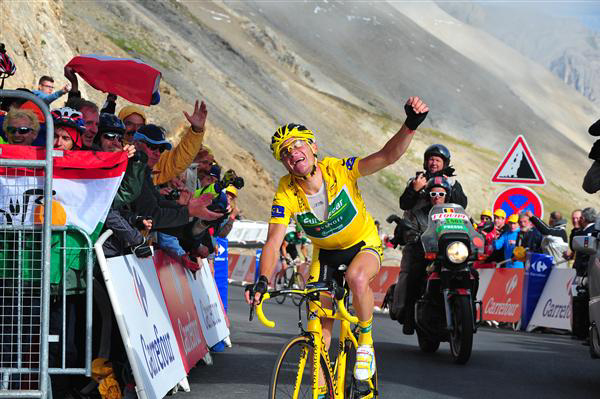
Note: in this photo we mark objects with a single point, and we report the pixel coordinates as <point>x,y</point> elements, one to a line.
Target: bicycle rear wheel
<point>292,374</point>
<point>297,283</point>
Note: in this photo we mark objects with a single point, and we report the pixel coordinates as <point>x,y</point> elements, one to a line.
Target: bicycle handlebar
<point>338,294</point>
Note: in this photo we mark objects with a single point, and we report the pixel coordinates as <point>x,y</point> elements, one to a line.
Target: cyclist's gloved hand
<point>414,119</point>
<point>260,287</point>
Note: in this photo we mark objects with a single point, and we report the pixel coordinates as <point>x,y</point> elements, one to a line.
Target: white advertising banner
<point>208,305</point>
<point>144,323</point>
<point>242,267</point>
<point>554,306</point>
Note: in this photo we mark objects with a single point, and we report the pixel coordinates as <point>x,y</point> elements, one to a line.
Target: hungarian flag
<point>129,78</point>
<point>84,184</point>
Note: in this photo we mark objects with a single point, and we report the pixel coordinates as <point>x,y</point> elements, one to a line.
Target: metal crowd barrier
<point>29,305</point>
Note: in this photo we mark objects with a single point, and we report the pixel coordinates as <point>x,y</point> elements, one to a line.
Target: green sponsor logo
<point>451,227</point>
<point>341,213</point>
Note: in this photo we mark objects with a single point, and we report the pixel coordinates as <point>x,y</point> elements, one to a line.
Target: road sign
<point>519,166</point>
<point>517,199</point>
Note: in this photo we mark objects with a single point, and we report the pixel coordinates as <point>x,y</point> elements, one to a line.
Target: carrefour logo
<point>511,285</point>
<point>138,288</point>
<point>539,266</point>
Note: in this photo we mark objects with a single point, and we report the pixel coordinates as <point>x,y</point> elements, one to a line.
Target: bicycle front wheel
<point>297,283</point>
<point>292,374</point>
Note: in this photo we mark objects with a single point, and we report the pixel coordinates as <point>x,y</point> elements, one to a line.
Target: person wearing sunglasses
<point>437,190</point>
<point>324,198</point>
<point>165,161</point>
<point>21,127</point>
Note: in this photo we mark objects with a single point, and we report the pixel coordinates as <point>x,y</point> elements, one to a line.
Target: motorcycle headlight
<point>457,252</point>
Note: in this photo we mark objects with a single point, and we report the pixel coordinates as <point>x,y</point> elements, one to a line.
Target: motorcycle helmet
<point>439,181</point>
<point>438,150</point>
<point>110,123</point>
<point>285,132</point>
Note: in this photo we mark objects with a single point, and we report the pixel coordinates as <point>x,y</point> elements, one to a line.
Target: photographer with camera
<point>436,162</point>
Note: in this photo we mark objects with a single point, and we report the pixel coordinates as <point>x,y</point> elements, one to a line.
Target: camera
<point>232,179</point>
<point>173,195</point>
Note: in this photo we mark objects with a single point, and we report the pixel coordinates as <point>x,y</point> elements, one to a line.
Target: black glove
<point>413,120</point>
<point>594,130</point>
<point>261,286</point>
<point>142,250</point>
<point>595,151</point>
<point>393,218</point>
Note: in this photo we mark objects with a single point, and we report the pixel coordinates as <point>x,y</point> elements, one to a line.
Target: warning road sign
<point>519,166</point>
<point>518,199</point>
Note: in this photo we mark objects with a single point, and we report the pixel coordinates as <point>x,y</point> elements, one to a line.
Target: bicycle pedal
<point>363,390</point>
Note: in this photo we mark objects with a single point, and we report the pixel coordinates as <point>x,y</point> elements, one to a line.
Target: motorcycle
<point>448,307</point>
<point>588,288</point>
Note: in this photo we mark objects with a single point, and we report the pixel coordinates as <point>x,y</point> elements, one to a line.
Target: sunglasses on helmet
<point>19,130</point>
<point>434,194</point>
<point>112,136</point>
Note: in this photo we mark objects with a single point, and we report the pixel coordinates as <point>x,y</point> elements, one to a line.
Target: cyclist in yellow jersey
<point>324,199</point>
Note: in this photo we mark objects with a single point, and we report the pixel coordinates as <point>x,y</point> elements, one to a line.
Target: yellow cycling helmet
<point>487,212</point>
<point>500,213</point>
<point>285,132</point>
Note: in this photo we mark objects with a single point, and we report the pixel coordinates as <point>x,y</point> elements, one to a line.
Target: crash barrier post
<point>38,254</point>
<point>167,316</point>
<point>25,266</point>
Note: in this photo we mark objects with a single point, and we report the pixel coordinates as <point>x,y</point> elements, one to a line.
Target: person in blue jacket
<point>46,91</point>
<point>508,241</point>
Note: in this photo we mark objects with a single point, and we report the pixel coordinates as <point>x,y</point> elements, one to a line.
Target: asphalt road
<point>504,364</point>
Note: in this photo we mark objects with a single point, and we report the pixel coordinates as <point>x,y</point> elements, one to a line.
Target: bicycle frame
<point>314,331</point>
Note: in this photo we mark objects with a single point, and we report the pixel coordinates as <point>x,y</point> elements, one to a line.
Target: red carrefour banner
<point>504,295</point>
<point>181,308</point>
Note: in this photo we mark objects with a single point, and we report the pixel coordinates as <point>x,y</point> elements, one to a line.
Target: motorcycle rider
<point>413,264</point>
<point>436,162</point>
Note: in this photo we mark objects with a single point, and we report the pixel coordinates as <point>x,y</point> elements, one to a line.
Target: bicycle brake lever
<point>251,311</point>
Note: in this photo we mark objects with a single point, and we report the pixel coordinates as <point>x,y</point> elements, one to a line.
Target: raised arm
<point>416,111</point>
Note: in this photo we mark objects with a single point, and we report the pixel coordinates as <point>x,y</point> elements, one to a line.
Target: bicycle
<point>291,378</point>
<point>289,278</point>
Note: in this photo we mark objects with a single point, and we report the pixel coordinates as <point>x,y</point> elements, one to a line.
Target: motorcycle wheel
<point>426,344</point>
<point>461,336</point>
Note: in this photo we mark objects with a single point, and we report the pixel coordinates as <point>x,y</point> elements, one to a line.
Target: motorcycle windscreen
<point>449,218</point>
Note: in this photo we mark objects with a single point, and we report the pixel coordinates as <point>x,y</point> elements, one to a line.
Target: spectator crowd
<point>174,197</point>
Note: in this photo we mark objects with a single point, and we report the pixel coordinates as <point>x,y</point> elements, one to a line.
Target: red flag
<point>129,78</point>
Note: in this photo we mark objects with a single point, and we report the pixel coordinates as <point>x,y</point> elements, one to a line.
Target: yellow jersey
<point>348,221</point>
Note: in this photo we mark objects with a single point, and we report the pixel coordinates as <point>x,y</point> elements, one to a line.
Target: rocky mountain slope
<point>561,43</point>
<point>342,68</point>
